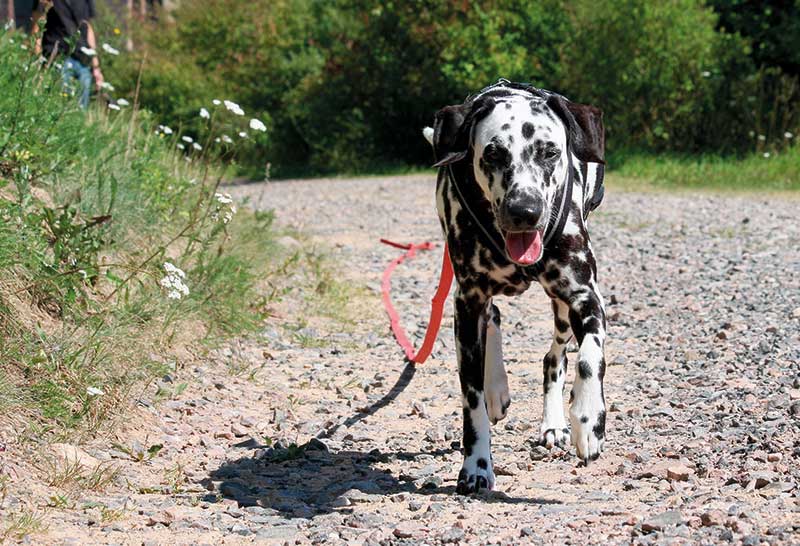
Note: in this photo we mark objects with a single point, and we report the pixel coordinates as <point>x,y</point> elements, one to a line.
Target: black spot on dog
<point>508,106</point>
<point>553,376</point>
<point>584,370</point>
<point>599,428</point>
<point>596,340</point>
<point>584,419</point>
<point>482,463</point>
<point>527,154</point>
<point>552,274</point>
<point>527,130</point>
<point>470,436</point>
<point>505,126</point>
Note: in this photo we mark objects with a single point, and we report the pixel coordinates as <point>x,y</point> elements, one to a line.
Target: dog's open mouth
<point>524,247</point>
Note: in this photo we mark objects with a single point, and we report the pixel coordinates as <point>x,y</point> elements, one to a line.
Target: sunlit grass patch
<point>763,171</point>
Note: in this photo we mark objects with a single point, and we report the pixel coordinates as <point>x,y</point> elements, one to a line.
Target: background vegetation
<point>346,85</point>
<point>98,212</point>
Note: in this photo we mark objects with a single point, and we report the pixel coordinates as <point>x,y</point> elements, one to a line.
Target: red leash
<point>437,303</point>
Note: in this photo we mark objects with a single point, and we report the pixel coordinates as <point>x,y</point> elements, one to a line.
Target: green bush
<point>347,85</point>
<point>95,208</point>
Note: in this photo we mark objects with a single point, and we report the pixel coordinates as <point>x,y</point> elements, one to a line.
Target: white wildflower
<point>204,113</point>
<point>114,107</point>
<point>88,51</point>
<point>705,74</point>
<point>762,138</point>
<point>110,50</point>
<point>173,282</point>
<point>766,154</point>
<point>107,86</point>
<point>218,140</point>
<point>242,134</point>
<point>94,391</point>
<point>122,102</point>
<point>225,208</point>
<point>196,146</point>
<point>752,134</point>
<point>164,129</point>
<point>23,46</point>
<point>180,146</point>
<point>226,139</point>
<point>257,125</point>
<point>187,139</point>
<point>233,107</point>
<point>216,102</point>
<point>173,269</point>
<point>787,135</point>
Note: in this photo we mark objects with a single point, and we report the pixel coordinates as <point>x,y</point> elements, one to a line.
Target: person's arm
<point>96,72</point>
<point>39,11</point>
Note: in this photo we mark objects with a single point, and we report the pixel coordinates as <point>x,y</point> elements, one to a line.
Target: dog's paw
<point>476,476</point>
<point>498,399</point>
<point>554,437</point>
<point>588,433</point>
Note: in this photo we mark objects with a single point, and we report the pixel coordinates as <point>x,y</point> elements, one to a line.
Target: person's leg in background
<point>73,70</point>
<point>85,79</point>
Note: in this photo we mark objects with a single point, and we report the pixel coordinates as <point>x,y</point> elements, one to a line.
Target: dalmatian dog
<point>520,168</point>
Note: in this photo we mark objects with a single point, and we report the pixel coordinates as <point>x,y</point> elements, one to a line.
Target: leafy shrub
<point>115,245</point>
<point>348,84</point>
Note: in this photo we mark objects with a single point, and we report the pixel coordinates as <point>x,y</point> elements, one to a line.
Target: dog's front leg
<point>587,412</point>
<point>470,331</point>
<point>554,431</point>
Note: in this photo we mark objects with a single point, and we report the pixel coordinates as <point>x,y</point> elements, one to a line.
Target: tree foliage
<point>347,85</point>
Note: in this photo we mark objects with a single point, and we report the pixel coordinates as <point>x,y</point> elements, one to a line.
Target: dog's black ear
<point>584,125</point>
<point>452,129</point>
<point>449,141</point>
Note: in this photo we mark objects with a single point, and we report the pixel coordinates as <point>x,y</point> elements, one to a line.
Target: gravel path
<point>703,386</point>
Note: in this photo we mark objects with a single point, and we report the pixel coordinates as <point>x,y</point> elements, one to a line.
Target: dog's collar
<point>553,229</point>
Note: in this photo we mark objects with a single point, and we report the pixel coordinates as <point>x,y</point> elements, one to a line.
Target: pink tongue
<point>525,247</point>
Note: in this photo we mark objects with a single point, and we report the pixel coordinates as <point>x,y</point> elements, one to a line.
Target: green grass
<point>92,205</point>
<point>778,172</point>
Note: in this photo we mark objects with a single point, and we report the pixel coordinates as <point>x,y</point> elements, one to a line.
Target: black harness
<point>555,226</point>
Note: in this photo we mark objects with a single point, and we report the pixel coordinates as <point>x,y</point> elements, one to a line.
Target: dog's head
<point>519,145</point>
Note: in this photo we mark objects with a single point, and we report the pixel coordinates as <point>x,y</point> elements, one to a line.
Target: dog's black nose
<point>522,214</point>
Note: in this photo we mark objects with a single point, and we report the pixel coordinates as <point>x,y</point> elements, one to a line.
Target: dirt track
<point>703,386</point>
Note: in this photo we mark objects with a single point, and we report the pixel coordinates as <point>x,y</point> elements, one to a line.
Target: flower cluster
<point>173,282</point>
<point>110,50</point>
<point>233,107</point>
<point>225,209</point>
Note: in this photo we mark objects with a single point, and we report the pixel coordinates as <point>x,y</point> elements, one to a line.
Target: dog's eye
<point>550,153</point>
<point>495,155</point>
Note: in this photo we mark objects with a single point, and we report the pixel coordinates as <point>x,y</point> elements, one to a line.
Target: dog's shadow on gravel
<point>311,479</point>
